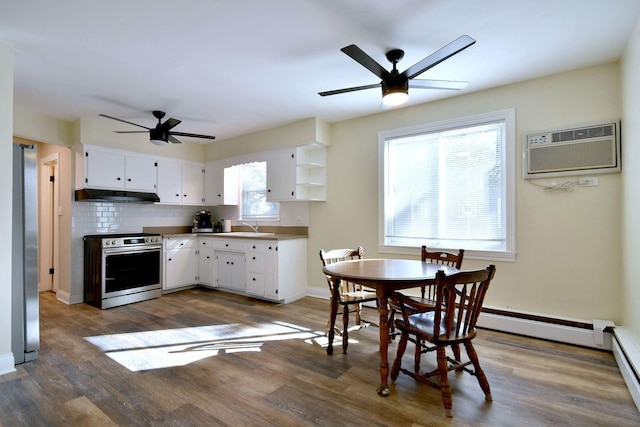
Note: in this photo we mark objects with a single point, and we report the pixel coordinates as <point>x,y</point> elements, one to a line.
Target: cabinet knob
<point>226,244</point>
<point>118,178</point>
<point>254,257</point>
<point>185,195</point>
<point>169,259</point>
<point>129,179</point>
<point>254,279</point>
<point>177,195</point>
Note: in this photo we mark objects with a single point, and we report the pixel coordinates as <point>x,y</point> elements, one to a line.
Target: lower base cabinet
<point>274,270</point>
<point>230,270</point>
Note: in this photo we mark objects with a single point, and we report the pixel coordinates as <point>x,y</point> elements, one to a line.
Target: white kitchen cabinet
<point>192,184</point>
<point>297,173</point>
<point>180,262</point>
<point>230,270</point>
<point>140,173</point>
<point>285,270</point>
<point>170,182</point>
<point>103,169</point>
<point>206,262</point>
<point>213,184</point>
<point>255,262</point>
<point>281,175</point>
<point>106,168</point>
<point>180,183</point>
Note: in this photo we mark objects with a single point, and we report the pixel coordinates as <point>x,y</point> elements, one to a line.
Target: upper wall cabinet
<point>104,168</point>
<point>297,173</point>
<point>180,183</point>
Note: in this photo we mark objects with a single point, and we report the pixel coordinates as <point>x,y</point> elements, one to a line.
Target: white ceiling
<point>229,67</point>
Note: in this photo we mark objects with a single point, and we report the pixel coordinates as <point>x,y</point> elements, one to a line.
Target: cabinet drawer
<point>205,242</point>
<point>255,262</point>
<point>229,244</point>
<point>256,246</point>
<point>178,242</point>
<point>255,284</point>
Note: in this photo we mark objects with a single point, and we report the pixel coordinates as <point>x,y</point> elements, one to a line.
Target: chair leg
<point>345,328</point>
<point>482,378</point>
<point>417,356</point>
<point>392,326</point>
<point>445,388</point>
<point>358,312</point>
<point>402,346</point>
<point>456,355</point>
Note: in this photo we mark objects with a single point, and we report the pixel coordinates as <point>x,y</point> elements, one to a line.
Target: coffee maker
<point>202,222</point>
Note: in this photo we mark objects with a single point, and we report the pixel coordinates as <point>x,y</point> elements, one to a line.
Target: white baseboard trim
<point>7,363</point>
<point>67,298</point>
<point>626,351</point>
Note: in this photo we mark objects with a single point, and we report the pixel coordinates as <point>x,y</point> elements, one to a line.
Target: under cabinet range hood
<point>115,196</point>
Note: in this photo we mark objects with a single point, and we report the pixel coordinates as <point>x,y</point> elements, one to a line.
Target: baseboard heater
<point>595,333</point>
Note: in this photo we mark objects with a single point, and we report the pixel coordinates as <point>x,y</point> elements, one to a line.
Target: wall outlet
<point>590,181</point>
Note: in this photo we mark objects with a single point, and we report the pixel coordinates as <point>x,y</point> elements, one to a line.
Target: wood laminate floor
<point>208,358</point>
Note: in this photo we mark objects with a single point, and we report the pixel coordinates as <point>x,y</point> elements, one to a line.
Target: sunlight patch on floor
<point>141,351</point>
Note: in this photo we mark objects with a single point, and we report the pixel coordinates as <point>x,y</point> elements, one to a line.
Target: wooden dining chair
<point>458,302</point>
<point>427,293</point>
<point>350,296</point>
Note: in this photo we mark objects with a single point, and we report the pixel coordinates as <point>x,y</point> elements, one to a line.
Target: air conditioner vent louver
<point>579,151</point>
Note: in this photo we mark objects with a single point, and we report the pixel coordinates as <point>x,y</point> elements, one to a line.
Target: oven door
<point>127,270</point>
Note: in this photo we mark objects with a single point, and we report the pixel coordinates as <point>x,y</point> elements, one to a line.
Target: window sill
<point>468,254</point>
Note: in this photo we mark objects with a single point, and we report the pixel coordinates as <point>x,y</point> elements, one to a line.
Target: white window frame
<point>509,163</point>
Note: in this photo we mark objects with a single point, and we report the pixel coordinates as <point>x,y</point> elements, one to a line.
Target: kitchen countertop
<point>240,235</point>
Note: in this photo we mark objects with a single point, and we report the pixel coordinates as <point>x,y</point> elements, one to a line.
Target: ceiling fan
<point>161,134</point>
<point>395,85</point>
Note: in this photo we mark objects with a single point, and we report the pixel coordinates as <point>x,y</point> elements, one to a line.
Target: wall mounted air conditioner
<point>584,150</point>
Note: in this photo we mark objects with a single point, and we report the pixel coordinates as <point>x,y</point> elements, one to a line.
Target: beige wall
<point>631,186</point>
<point>568,260</point>
<point>6,191</point>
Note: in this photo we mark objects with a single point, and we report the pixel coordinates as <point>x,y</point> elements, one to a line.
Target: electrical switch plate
<point>590,181</point>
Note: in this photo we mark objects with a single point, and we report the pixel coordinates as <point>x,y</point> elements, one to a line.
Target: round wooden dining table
<point>385,276</point>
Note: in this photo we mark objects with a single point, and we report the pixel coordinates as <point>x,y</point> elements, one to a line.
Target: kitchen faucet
<point>254,228</point>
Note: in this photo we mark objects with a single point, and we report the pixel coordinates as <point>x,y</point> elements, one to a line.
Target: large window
<point>450,185</point>
<point>253,190</point>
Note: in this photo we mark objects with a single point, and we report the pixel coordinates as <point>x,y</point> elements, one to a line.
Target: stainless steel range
<point>121,269</point>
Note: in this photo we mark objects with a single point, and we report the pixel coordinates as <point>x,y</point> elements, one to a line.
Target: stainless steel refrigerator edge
<point>25,320</point>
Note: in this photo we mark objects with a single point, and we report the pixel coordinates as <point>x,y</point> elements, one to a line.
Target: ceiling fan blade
<point>438,56</point>
<point>365,60</point>
<point>174,140</point>
<point>131,131</point>
<point>192,135</point>
<point>437,84</point>
<point>123,121</point>
<point>349,89</point>
<point>170,123</point>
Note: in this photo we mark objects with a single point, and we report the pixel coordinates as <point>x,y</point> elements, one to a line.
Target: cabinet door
<point>213,184</point>
<point>140,173</point>
<point>180,267</point>
<point>271,271</point>
<point>169,182</point>
<point>230,269</point>
<point>192,184</point>
<point>281,175</point>
<point>206,270</point>
<point>104,169</point>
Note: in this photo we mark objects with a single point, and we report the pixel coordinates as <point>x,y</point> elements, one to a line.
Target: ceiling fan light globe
<point>394,98</point>
<point>159,142</point>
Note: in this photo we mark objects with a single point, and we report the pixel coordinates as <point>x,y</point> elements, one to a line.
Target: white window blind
<point>446,187</point>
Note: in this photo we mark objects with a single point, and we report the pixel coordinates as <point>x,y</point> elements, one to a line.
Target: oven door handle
<point>124,251</point>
